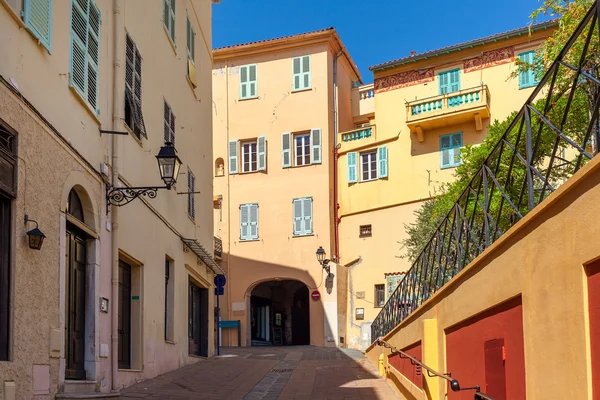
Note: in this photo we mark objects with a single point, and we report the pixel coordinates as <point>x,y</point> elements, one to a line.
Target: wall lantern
<point>36,237</point>
<point>168,165</point>
<point>321,258</point>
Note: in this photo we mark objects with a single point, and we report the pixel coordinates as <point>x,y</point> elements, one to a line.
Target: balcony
<point>363,102</point>
<point>364,134</point>
<point>448,109</point>
<point>218,248</point>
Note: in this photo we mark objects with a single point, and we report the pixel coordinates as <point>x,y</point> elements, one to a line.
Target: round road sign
<point>315,295</point>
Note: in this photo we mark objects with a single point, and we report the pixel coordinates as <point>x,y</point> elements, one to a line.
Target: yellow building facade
<point>277,106</point>
<point>90,92</point>
<point>409,128</point>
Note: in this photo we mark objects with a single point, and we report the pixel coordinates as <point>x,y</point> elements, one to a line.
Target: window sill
<point>248,98</point>
<point>133,135</point>
<point>171,42</point>
<point>302,166</point>
<point>249,240</point>
<point>85,105</point>
<point>169,341</point>
<point>300,236</point>
<point>369,180</point>
<point>302,90</point>
<point>450,166</point>
<point>528,86</point>
<point>130,370</point>
<point>364,236</point>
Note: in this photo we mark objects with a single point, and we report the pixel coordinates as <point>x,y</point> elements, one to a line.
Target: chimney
<point>413,53</point>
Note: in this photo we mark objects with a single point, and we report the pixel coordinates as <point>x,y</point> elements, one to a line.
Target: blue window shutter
<point>286,150</point>
<point>450,146</point>
<point>233,157</point>
<point>352,165</point>
<point>445,151</point>
<point>298,217</point>
<point>261,144</point>
<point>454,80</point>
<point>253,221</point>
<point>382,162</point>
<point>443,82</point>
<point>307,209</point>
<point>37,15</point>
<point>316,145</point>
<point>527,78</point>
<point>244,222</point>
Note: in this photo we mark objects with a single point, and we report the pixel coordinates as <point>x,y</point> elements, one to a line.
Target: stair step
<point>109,396</point>
<point>80,387</point>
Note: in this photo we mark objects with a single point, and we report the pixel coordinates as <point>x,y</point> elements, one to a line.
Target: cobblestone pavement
<point>286,373</point>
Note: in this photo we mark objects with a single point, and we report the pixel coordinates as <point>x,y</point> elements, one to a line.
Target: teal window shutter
<point>85,50</point>
<point>233,157</point>
<point>450,146</point>
<point>352,165</point>
<point>316,145</point>
<point>443,81</point>
<point>244,222</point>
<point>527,78</point>
<point>382,162</point>
<point>169,18</point>
<point>37,15</point>
<point>286,150</point>
<point>449,81</point>
<point>253,221</point>
<point>261,144</point>
<point>252,86</point>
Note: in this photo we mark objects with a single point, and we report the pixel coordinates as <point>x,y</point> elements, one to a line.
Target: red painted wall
<point>465,343</point>
<point>404,366</point>
<point>593,273</point>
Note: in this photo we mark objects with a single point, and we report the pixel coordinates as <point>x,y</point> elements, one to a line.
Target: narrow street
<point>300,372</point>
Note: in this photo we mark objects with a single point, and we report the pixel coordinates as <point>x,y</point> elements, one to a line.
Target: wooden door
<point>5,228</point>
<point>75,327</point>
<point>198,320</point>
<point>495,375</point>
<point>124,324</point>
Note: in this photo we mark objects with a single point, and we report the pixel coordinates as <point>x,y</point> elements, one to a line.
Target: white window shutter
<point>244,221</point>
<point>252,86</point>
<point>261,144</point>
<point>233,157</point>
<point>352,166</point>
<point>296,73</point>
<point>307,211</point>
<point>298,217</point>
<point>286,150</point>
<point>316,145</point>
<point>244,82</point>
<point>305,72</point>
<point>382,160</point>
<point>253,221</point>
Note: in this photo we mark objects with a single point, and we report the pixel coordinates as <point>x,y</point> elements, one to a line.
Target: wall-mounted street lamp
<point>168,165</point>
<point>322,258</point>
<point>36,237</point>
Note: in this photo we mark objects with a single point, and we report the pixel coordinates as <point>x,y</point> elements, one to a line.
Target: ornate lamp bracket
<point>121,196</point>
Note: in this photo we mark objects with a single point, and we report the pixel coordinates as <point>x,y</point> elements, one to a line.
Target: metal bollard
<point>381,365</point>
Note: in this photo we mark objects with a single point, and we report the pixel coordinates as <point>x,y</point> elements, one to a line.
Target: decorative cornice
<point>403,79</point>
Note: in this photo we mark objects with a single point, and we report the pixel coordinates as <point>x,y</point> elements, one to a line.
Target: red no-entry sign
<point>315,295</point>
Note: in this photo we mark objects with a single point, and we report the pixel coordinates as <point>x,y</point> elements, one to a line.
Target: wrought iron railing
<point>218,248</point>
<point>552,137</point>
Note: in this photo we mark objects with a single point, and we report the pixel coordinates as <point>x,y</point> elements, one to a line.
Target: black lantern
<point>36,237</point>
<point>169,164</point>
<point>321,254</point>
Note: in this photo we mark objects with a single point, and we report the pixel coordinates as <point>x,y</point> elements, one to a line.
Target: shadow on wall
<point>256,285</point>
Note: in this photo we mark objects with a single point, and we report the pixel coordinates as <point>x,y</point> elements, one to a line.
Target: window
<point>449,81</point>
<point>373,165</point>
<point>37,15</point>
<point>379,295</point>
<point>254,155</point>
<point>365,231</point>
<point>191,190</point>
<point>301,73</point>
<point>133,89</point>
<point>169,18</point>
<point>169,299</point>
<point>249,222</point>
<point>169,124</point>
<point>303,216</point>
<point>85,54</point>
<point>248,82</point>
<point>527,78</point>
<point>306,148</point>
<point>450,150</point>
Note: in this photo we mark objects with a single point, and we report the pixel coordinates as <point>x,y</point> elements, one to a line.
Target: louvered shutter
<point>316,145</point>
<point>456,145</point>
<point>37,15</point>
<point>253,221</point>
<point>296,73</point>
<point>190,40</point>
<point>172,20</point>
<point>261,145</point>
<point>138,94</point>
<point>298,217</point>
<point>352,166</point>
<point>78,75</point>
<point>172,127</point>
<point>244,82</point>
<point>286,151</point>
<point>252,86</point>
<point>307,215</point>
<point>454,80</point>
<point>443,81</point>
<point>445,151</point>
<point>191,190</point>
<point>244,221</point>
<point>305,72</point>
<point>382,162</point>
<point>93,51</point>
<point>233,157</point>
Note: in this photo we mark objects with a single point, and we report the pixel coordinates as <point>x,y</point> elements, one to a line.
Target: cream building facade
<point>90,91</point>
<point>277,107</point>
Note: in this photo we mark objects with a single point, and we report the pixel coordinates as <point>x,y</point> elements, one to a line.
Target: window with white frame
<point>169,18</point>
<point>249,157</point>
<point>251,154</point>
<point>303,148</point>
<point>133,89</point>
<point>169,132</point>
<point>450,150</point>
<point>369,165</point>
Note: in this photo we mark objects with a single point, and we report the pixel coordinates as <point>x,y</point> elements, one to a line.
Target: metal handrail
<point>454,384</point>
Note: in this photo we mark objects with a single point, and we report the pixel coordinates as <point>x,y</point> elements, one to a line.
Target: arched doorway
<point>279,313</point>
<point>76,256</point>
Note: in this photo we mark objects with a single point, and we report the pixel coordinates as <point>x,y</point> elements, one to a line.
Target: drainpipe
<point>336,204</point>
<point>226,169</point>
<point>117,117</point>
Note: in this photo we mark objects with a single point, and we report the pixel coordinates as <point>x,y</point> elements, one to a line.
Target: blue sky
<point>373,31</point>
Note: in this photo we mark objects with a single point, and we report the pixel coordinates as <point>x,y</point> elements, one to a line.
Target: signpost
<point>220,282</point>
<point>315,295</point>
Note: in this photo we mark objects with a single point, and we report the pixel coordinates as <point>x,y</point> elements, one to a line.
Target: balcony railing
<point>218,248</point>
<point>456,107</point>
<point>363,132</point>
<point>555,133</point>
<point>363,100</point>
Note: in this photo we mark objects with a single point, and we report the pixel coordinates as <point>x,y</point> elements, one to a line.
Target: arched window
<point>74,207</point>
<point>219,167</point>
